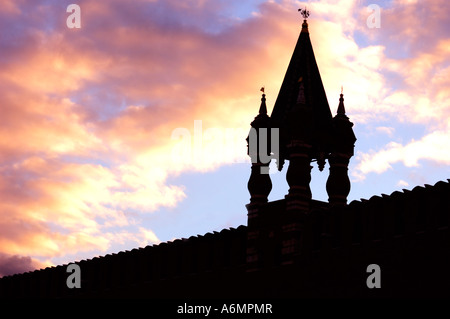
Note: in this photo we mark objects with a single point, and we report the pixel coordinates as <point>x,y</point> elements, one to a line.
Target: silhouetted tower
<point>259,184</point>
<point>307,133</point>
<point>343,144</point>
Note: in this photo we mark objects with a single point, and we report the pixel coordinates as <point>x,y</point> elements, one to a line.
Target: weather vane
<point>304,13</point>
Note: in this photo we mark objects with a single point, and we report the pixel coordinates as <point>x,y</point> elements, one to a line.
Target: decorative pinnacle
<point>263,107</point>
<point>341,108</point>
<point>304,13</point>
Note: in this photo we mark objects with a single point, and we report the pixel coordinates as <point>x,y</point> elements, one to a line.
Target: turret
<point>343,144</point>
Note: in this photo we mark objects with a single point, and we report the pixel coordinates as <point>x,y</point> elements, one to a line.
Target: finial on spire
<point>304,13</point>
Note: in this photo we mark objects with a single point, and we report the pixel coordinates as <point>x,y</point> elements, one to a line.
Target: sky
<point>130,130</point>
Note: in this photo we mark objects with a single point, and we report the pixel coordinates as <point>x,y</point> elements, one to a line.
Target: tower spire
<point>338,183</point>
<point>301,107</point>
<point>259,184</point>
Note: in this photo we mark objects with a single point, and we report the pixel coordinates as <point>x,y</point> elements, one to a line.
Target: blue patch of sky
<point>369,138</point>
<point>280,186</point>
<point>213,18</point>
<point>215,200</point>
<point>361,38</point>
<point>242,9</point>
<point>231,12</point>
<point>406,132</point>
<point>426,172</point>
<point>382,3</point>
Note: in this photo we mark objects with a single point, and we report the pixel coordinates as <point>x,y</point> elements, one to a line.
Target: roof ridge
<point>134,250</point>
<point>404,191</point>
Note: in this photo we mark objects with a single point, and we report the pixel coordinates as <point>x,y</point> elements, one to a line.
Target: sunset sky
<point>100,127</point>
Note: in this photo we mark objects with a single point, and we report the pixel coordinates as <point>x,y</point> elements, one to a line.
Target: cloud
<point>385,130</point>
<point>430,147</point>
<point>402,183</point>
<point>13,264</point>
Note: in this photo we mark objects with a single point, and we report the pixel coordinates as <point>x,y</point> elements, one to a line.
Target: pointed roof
<point>263,107</point>
<point>343,136</point>
<point>302,83</point>
<point>341,107</point>
<point>262,120</point>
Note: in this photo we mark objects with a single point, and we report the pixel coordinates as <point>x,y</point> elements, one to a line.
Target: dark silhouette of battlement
<point>406,233</point>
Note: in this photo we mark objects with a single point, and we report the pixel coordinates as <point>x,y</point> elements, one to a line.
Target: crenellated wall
<point>129,271</point>
<point>405,233</point>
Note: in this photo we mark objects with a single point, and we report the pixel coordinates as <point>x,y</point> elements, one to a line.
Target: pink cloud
<point>12,264</point>
<point>417,41</point>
